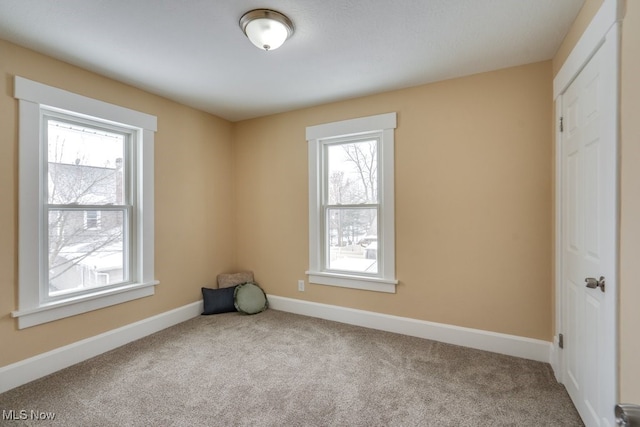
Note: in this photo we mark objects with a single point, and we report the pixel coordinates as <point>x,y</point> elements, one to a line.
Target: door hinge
<point>561,341</point>
<point>561,124</point>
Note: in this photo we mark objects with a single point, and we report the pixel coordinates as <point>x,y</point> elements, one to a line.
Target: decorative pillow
<point>249,298</point>
<point>228,280</point>
<point>218,300</point>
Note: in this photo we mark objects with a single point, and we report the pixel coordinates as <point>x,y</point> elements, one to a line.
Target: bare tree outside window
<point>364,158</point>
<point>86,238</point>
<point>352,209</point>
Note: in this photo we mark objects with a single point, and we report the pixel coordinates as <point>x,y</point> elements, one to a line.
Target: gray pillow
<point>249,298</point>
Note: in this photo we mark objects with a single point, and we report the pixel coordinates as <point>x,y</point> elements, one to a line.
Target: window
<point>86,204</point>
<point>351,203</point>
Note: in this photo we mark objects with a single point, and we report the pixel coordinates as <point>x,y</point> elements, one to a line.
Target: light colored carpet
<point>281,369</point>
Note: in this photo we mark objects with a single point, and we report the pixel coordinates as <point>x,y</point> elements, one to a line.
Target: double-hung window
<point>351,203</point>
<point>86,204</point>
<point>90,196</point>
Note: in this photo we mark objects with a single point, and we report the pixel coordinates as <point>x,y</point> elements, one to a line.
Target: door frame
<point>605,25</point>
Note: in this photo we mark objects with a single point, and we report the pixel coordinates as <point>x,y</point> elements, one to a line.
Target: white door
<point>589,237</point>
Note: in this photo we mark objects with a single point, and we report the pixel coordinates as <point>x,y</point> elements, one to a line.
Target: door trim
<point>611,12</point>
<point>603,26</point>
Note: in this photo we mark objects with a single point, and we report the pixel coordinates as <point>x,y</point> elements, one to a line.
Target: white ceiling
<point>193,51</point>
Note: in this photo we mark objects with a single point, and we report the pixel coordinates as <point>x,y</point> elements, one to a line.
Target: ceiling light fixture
<point>266,29</point>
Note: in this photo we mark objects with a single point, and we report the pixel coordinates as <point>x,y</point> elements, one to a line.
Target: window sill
<point>77,305</point>
<point>353,281</point>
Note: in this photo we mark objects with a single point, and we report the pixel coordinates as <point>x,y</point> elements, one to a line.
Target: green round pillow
<point>249,298</point>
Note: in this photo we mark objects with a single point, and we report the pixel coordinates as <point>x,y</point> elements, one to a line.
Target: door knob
<point>595,283</point>
<point>627,415</point>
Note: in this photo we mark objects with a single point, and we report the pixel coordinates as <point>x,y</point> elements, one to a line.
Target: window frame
<point>36,99</point>
<point>380,126</point>
<point>126,207</point>
<point>327,206</point>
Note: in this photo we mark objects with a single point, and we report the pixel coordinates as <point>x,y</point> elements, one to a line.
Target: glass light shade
<point>266,34</point>
<point>266,29</point>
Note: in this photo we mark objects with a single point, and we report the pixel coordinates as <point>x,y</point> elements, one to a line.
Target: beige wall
<point>630,208</point>
<point>473,201</point>
<point>193,173</point>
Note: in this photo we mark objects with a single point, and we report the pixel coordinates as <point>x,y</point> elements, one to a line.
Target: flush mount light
<point>266,29</point>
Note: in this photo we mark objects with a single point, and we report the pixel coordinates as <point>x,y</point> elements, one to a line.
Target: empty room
<point>305,213</point>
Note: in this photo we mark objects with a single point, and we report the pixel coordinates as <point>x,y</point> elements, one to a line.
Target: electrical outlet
<point>301,285</point>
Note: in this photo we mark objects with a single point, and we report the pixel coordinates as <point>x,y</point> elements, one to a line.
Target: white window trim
<point>385,281</point>
<point>32,96</point>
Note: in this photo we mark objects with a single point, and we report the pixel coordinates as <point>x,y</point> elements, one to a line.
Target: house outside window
<point>86,204</point>
<point>92,220</point>
<point>351,203</point>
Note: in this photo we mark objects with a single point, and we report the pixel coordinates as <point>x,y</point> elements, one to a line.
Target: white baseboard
<point>27,370</point>
<point>511,345</point>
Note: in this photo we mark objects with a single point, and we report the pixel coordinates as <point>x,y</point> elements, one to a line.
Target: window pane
<point>83,257</point>
<point>85,164</point>
<point>352,240</point>
<point>352,173</point>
